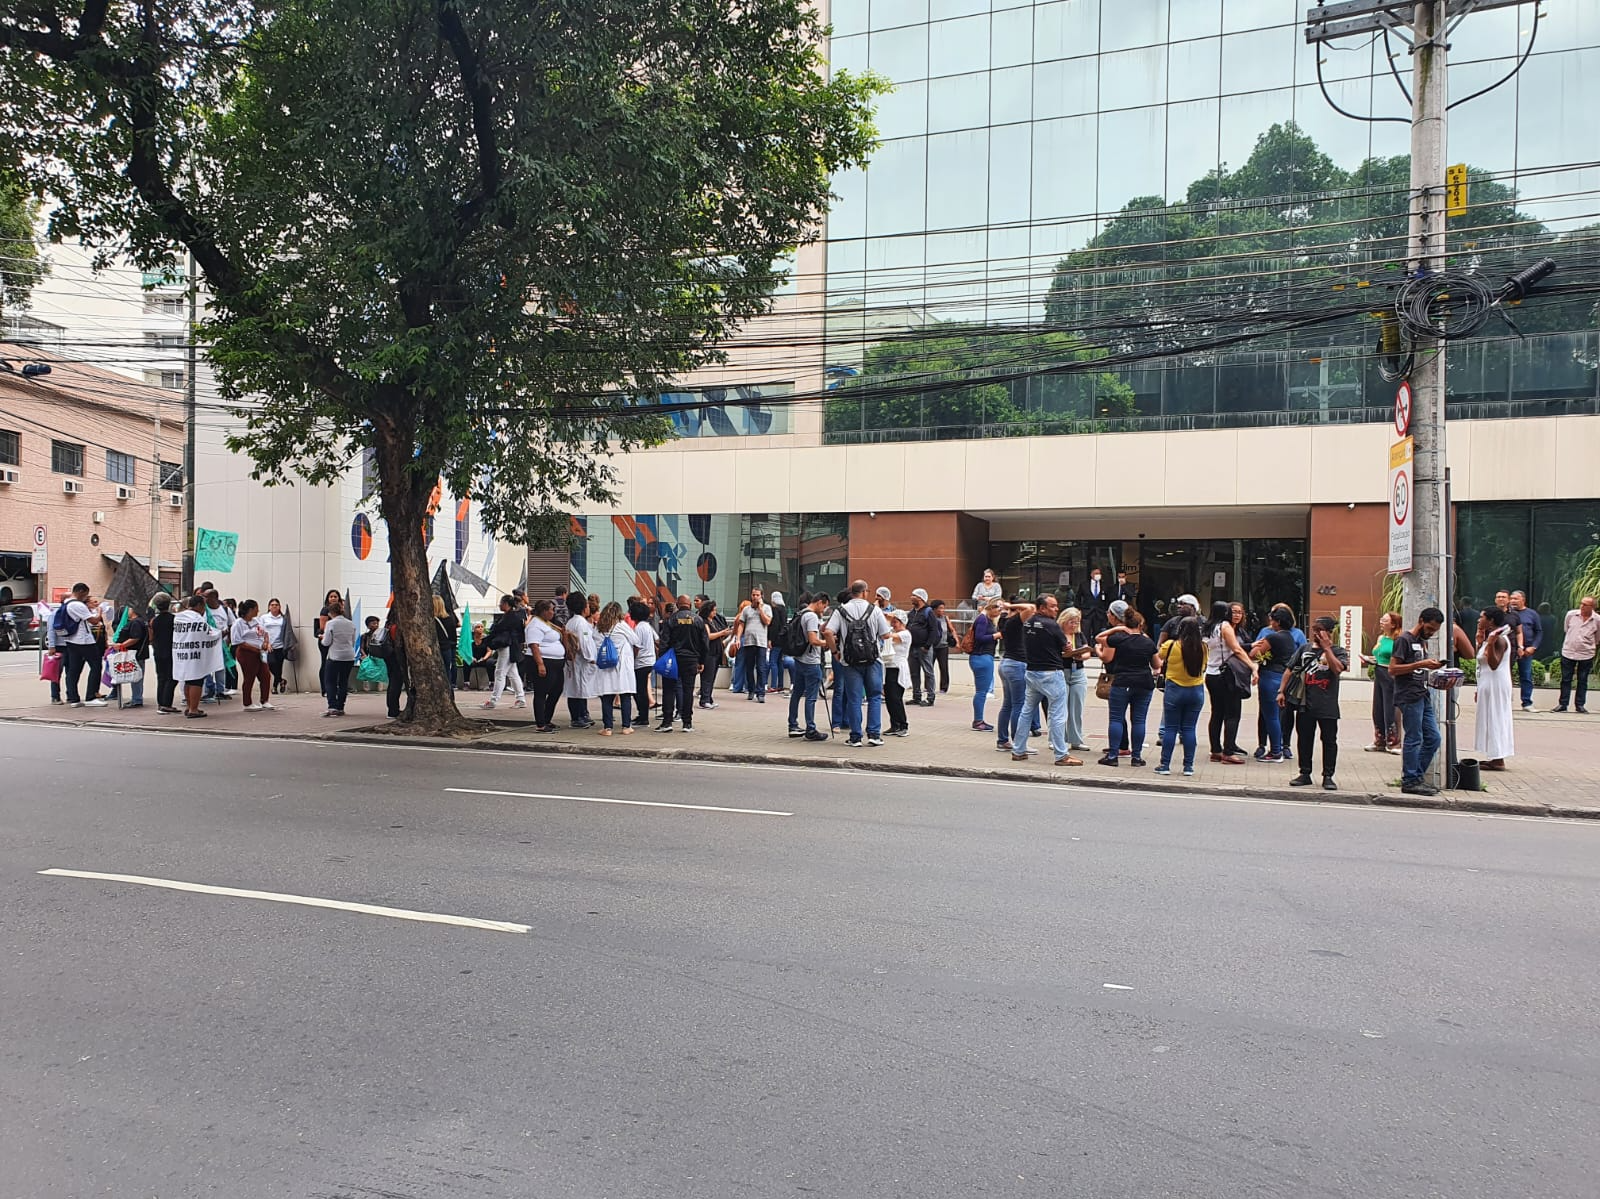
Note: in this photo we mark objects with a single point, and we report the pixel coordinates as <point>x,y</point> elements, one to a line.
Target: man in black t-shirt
<point>1410,659</point>
<point>684,634</point>
<point>1044,647</point>
<point>1320,663</point>
<point>1013,671</point>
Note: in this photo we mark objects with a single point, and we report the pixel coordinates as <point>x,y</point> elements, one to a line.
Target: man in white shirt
<point>751,629</point>
<point>75,631</point>
<point>1582,635</point>
<point>855,632</point>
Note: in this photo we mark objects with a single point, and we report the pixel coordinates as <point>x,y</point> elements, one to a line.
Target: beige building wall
<point>1233,469</point>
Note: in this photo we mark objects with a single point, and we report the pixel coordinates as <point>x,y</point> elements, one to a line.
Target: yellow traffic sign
<point>1455,190</point>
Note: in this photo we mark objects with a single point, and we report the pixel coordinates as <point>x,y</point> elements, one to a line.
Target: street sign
<point>1402,410</point>
<point>1455,190</point>
<point>41,554</point>
<point>1400,506</point>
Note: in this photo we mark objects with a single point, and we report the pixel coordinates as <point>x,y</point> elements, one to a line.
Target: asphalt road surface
<point>901,987</point>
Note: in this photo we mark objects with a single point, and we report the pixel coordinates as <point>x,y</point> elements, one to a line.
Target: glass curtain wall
<point>1071,180</point>
<point>1549,550</point>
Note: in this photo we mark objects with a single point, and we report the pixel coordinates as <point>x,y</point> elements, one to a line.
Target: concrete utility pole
<point>188,436</point>
<point>1426,25</point>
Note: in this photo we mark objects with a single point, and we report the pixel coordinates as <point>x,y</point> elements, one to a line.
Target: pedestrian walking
<point>506,639</point>
<point>1580,636</point>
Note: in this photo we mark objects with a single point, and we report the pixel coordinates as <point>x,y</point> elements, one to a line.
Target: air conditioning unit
<point>71,486</point>
<point>175,499</point>
<point>8,477</point>
<point>124,493</point>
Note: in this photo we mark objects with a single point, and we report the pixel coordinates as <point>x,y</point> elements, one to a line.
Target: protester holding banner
<point>196,653</point>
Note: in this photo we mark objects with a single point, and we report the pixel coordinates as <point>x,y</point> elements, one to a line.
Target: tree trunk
<point>405,494</point>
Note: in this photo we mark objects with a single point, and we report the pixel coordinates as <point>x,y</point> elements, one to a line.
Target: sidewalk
<point>1556,770</point>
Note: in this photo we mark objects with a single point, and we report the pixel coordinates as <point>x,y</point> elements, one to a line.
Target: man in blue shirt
<point>1532,629</point>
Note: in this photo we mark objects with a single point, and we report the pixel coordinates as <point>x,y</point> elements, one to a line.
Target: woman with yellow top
<point>1183,662</point>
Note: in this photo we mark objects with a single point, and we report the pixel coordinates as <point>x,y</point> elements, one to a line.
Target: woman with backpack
<point>613,646</point>
<point>505,639</point>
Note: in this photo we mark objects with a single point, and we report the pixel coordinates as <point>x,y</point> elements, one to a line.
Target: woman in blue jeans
<point>1183,663</point>
<point>1013,672</point>
<point>981,659</point>
<point>1128,654</point>
<point>1274,649</point>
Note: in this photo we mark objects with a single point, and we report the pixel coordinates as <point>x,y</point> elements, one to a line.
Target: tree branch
<point>481,98</point>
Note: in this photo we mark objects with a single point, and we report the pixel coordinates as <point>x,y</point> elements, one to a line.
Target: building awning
<point>116,560</point>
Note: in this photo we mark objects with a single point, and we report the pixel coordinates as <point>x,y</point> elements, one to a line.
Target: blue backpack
<point>64,624</point>
<point>606,657</point>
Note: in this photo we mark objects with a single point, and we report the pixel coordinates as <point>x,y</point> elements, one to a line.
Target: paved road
<point>903,989</point>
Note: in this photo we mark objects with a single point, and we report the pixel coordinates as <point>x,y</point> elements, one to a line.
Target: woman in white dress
<point>1492,738</point>
<point>609,683</point>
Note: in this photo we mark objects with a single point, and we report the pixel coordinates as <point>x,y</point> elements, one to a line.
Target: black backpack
<point>793,640</point>
<point>860,648</point>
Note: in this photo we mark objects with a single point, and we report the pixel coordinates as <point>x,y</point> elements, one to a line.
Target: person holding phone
<point>1319,663</point>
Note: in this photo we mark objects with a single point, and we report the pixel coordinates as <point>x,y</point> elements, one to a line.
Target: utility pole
<point>188,436</point>
<point>1426,25</point>
<point>155,496</point>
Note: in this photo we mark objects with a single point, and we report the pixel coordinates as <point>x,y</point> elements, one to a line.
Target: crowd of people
<point>851,664</point>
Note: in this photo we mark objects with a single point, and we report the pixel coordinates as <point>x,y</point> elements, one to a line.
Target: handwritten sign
<point>196,647</point>
<point>214,551</point>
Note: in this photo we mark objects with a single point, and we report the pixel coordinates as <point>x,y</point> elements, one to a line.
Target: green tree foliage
<point>943,381</point>
<point>1288,229</point>
<point>21,266</point>
<point>461,232</point>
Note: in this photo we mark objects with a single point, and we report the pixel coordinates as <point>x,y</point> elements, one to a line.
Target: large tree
<point>466,233</point>
<point>21,266</point>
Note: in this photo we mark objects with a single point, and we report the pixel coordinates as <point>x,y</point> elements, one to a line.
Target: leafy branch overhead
<point>452,226</point>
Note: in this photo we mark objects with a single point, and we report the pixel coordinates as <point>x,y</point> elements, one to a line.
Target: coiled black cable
<point>1455,304</point>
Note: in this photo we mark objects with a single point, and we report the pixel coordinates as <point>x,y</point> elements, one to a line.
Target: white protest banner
<point>196,647</point>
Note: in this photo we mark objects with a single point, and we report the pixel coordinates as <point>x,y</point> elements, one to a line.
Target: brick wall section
<point>100,411</point>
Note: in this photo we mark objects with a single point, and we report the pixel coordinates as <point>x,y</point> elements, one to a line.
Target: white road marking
<point>1115,987</point>
<point>310,901</point>
<point>1051,789</point>
<point>632,803</point>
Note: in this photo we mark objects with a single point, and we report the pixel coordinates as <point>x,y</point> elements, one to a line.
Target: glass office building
<point>1105,295</point>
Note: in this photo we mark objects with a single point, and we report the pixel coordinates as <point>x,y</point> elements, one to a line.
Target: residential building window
<point>173,380</point>
<point>10,448</point>
<point>172,476</point>
<point>66,458</point>
<point>369,472</point>
<point>165,341</point>
<point>119,467</point>
<point>163,305</point>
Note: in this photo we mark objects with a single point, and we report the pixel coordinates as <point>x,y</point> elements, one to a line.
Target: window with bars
<point>119,467</point>
<point>10,448</point>
<point>66,458</point>
<point>172,476</point>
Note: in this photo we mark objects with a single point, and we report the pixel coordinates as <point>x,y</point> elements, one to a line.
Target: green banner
<point>214,551</point>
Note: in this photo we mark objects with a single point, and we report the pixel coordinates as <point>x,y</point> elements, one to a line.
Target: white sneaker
<point>95,703</point>
<point>230,694</point>
<point>76,704</point>
<point>264,708</point>
<point>251,708</point>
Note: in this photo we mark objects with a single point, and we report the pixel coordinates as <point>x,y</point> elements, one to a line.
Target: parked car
<point>22,626</point>
<point>17,582</point>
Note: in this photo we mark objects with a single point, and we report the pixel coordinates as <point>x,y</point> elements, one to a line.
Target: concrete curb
<point>1141,783</point>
